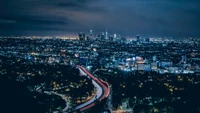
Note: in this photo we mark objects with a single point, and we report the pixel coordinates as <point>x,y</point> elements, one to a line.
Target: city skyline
<point>100,75</point>
<point>100,56</point>
<point>128,18</point>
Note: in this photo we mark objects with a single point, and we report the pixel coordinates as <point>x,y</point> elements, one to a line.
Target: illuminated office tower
<point>84,36</point>
<point>138,38</point>
<point>102,36</point>
<point>80,35</point>
<point>111,38</point>
<point>90,32</point>
<point>106,34</point>
<point>147,40</point>
<point>115,36</point>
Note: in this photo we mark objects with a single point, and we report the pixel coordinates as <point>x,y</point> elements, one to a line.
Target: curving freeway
<point>102,87</point>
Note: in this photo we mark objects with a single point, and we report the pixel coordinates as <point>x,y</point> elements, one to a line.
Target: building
<point>138,38</point>
<point>147,39</point>
<point>106,35</point>
<point>140,67</point>
<point>183,59</point>
<point>165,64</point>
<point>84,37</point>
<point>147,67</point>
<point>154,58</point>
<point>154,66</point>
<point>115,37</point>
<point>81,36</point>
<point>102,36</point>
<point>111,38</point>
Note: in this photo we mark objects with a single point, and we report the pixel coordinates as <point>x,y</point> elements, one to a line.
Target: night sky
<point>126,17</point>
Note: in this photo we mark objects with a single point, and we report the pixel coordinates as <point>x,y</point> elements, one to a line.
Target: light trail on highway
<point>103,91</point>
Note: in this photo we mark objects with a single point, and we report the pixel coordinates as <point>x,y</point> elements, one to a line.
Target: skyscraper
<point>111,38</point>
<point>147,39</point>
<point>102,36</point>
<point>90,32</point>
<point>80,35</point>
<point>138,38</point>
<point>84,36</point>
<point>106,34</point>
<point>99,35</point>
<point>115,36</point>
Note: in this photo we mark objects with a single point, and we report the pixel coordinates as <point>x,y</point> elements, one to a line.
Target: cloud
<point>2,21</point>
<point>128,17</point>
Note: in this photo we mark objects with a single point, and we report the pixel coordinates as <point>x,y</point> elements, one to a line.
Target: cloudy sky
<point>125,17</point>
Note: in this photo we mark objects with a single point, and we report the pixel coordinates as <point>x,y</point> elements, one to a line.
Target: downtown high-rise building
<point>138,38</point>
<point>102,36</point>
<point>106,37</point>
<point>90,32</point>
<point>115,37</point>
<point>81,36</point>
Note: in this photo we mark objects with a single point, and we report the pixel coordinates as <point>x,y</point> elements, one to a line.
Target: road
<point>102,91</point>
<point>99,92</point>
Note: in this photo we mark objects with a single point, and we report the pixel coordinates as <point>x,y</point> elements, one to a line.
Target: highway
<point>102,91</point>
<point>99,92</point>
